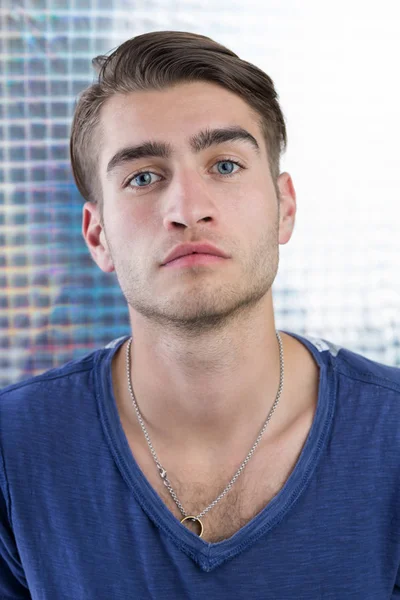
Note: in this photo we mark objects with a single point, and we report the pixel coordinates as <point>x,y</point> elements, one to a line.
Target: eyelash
<point>235,162</point>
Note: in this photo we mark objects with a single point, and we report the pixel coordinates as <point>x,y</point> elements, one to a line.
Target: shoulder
<point>54,384</point>
<point>47,380</point>
<point>354,368</point>
<point>363,396</point>
<point>363,371</point>
<point>367,371</point>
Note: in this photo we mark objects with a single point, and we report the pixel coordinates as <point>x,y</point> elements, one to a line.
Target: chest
<point>233,511</point>
<point>263,478</point>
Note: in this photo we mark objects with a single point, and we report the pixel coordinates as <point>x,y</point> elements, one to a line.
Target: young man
<point>209,456</point>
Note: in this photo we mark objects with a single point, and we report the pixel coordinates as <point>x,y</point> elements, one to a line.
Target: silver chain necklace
<point>163,473</point>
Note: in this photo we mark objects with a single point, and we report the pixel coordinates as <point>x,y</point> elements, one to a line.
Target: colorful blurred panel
<point>55,305</point>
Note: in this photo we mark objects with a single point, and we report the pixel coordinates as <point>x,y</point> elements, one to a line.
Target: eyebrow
<point>198,142</point>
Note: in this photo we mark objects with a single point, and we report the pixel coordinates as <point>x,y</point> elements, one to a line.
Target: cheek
<point>256,212</point>
<point>127,221</point>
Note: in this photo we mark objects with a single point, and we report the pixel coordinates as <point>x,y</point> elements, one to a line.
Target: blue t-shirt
<point>79,521</point>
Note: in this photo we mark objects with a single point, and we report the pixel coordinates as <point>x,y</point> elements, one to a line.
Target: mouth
<point>199,249</point>
<point>193,259</point>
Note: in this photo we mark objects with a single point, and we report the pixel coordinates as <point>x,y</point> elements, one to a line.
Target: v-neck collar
<point>210,555</point>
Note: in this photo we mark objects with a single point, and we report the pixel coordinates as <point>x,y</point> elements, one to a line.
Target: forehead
<point>173,114</point>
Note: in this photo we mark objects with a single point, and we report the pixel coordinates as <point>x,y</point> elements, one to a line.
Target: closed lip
<point>199,248</point>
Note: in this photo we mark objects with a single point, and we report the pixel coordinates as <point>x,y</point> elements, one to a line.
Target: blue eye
<point>226,167</point>
<point>142,179</point>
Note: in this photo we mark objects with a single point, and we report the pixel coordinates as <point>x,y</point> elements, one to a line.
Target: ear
<point>95,238</point>
<point>287,207</point>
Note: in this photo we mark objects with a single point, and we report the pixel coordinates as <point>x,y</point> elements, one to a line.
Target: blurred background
<point>335,66</point>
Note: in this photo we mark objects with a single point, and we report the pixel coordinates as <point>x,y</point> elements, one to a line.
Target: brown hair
<point>154,61</point>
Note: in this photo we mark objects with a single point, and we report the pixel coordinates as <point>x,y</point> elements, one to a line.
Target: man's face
<point>190,186</point>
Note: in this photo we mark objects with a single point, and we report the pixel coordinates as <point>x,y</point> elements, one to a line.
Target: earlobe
<point>95,238</point>
<point>287,207</point>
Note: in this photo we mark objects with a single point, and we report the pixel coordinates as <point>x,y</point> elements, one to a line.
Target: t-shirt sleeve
<point>13,585</point>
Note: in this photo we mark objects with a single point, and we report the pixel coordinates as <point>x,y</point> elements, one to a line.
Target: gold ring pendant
<point>194,520</point>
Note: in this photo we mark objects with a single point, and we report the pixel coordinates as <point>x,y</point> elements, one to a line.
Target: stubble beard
<point>204,301</point>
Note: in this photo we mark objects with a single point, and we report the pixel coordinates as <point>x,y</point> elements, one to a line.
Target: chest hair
<point>241,504</point>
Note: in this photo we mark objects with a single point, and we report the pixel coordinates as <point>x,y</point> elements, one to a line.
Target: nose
<point>188,201</point>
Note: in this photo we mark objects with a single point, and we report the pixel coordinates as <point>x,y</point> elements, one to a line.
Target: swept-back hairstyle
<point>155,61</point>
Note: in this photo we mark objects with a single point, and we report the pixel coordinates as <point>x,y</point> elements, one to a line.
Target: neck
<point>209,388</point>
